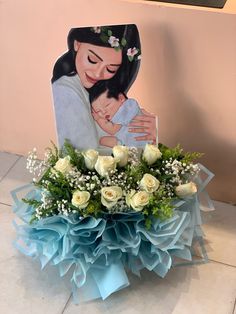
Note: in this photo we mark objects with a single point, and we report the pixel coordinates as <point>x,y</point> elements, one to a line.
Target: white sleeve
<point>126,112</point>
<point>73,118</point>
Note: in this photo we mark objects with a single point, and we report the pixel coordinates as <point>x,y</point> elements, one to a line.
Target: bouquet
<point>87,184</point>
<point>99,215</point>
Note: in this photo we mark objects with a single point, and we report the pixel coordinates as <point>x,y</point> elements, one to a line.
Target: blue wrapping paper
<point>97,251</point>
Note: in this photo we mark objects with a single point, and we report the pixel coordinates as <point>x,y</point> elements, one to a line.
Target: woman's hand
<point>145,123</point>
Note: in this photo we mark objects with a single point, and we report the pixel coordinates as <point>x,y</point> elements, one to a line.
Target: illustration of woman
<point>96,56</point>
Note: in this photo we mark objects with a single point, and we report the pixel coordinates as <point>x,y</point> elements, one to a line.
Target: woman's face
<point>95,63</point>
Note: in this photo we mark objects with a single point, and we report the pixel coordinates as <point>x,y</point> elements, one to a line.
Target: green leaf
<point>109,33</point>
<point>123,42</point>
<point>178,153</point>
<point>56,151</point>
<point>148,223</point>
<point>104,38</point>
<point>190,157</point>
<point>33,219</point>
<point>130,58</point>
<point>32,202</point>
<point>76,159</point>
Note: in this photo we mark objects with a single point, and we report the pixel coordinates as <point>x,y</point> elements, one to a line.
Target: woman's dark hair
<point>126,73</point>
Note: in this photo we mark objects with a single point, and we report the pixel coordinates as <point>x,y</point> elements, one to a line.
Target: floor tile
<point>7,232</point>
<point>24,288</point>
<point>220,231</point>
<point>17,176</point>
<point>6,162</point>
<point>203,289</point>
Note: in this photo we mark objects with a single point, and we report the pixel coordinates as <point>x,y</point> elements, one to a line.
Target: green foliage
<point>123,42</point>
<point>60,189</point>
<point>56,151</point>
<point>45,176</point>
<point>190,157</point>
<point>54,154</point>
<point>32,202</point>
<point>165,210</point>
<point>178,153</point>
<point>161,209</point>
<point>130,58</point>
<point>135,174</point>
<point>148,223</point>
<point>167,153</point>
<point>104,37</point>
<point>93,209</point>
<point>76,158</point>
<point>33,219</point>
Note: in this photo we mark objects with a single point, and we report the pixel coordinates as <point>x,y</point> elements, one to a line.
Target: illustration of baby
<point>113,116</point>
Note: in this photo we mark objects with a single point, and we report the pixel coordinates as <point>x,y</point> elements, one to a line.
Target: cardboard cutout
<point>90,85</point>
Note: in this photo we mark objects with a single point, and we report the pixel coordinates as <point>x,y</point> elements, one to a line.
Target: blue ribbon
<point>96,251</point>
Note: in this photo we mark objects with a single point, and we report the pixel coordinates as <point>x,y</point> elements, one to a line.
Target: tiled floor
<point>201,289</point>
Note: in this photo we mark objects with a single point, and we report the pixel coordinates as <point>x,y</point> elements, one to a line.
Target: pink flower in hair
<point>131,52</point>
<point>113,41</point>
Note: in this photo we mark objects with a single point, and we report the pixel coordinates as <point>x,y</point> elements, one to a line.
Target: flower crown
<point>106,36</point>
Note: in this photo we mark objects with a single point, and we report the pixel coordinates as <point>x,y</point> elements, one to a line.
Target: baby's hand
<point>109,141</point>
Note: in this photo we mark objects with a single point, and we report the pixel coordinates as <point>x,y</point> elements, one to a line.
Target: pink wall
<point>187,77</point>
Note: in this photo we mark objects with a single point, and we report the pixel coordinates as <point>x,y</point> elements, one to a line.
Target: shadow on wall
<point>189,126</point>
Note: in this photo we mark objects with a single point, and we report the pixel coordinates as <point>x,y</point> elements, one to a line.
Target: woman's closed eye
<point>111,71</point>
<point>92,61</point>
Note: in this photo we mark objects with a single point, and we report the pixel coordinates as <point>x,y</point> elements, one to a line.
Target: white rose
<point>137,200</point>
<point>121,153</point>
<point>185,190</point>
<point>151,154</point>
<point>63,165</point>
<point>110,195</point>
<point>80,199</point>
<point>149,183</point>
<point>90,158</point>
<point>105,164</point>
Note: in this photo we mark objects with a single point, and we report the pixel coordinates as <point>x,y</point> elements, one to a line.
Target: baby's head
<point>107,105</point>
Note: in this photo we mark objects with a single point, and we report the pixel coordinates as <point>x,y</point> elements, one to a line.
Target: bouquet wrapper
<point>96,253</point>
